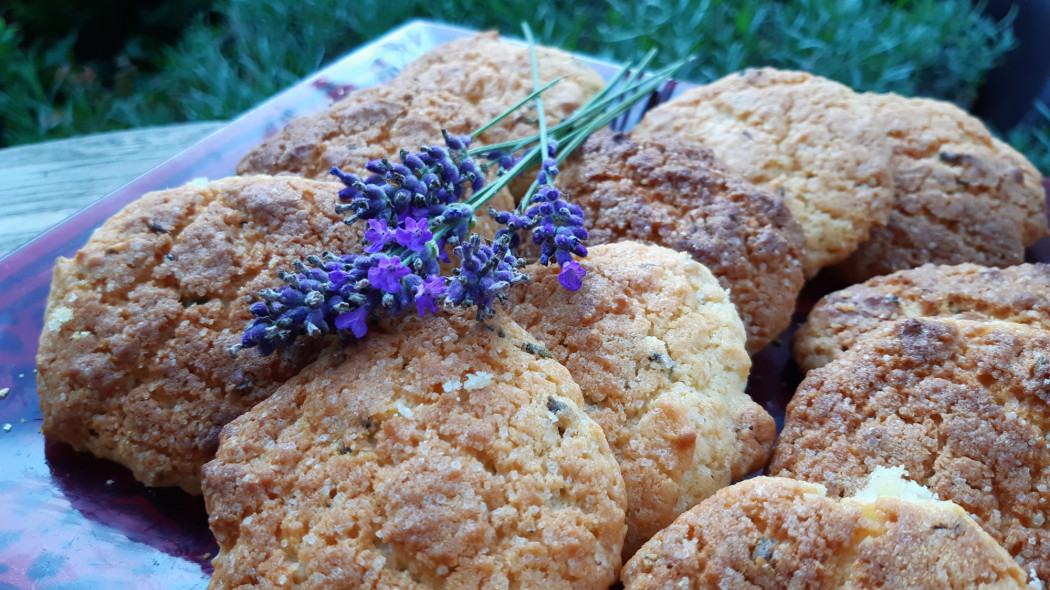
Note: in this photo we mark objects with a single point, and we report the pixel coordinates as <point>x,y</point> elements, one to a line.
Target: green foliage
<point>43,96</point>
<point>1034,140</point>
<point>245,50</point>
<point>936,48</point>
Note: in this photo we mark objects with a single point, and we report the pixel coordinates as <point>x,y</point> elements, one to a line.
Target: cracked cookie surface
<point>1018,294</point>
<point>960,194</point>
<point>657,349</point>
<point>133,362</point>
<point>962,405</point>
<point>771,532</point>
<point>813,141</point>
<point>670,193</point>
<point>459,87</point>
<point>442,455</point>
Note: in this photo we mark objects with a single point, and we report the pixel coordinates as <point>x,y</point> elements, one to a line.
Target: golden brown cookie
<point>134,363</point>
<point>366,125</point>
<point>494,76</point>
<point>674,194</point>
<point>962,405</point>
<point>442,455</point>
<point>772,532</point>
<point>813,141</point>
<point>657,349</point>
<point>459,87</point>
<point>1015,294</point>
<point>961,195</point>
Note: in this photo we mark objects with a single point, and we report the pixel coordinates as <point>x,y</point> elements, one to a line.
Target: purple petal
<point>355,320</point>
<point>571,275</point>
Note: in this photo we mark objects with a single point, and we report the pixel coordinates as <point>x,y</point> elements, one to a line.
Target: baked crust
<point>960,194</point>
<point>669,193</point>
<point>962,405</point>
<point>812,141</point>
<point>1015,294</point>
<point>658,351</point>
<point>442,455</point>
<point>771,532</point>
<point>133,362</point>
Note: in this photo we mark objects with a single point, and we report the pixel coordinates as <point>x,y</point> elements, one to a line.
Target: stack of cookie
<point>436,453</point>
<point>549,445</point>
<point>942,370</point>
<point>876,183</point>
<point>451,453</point>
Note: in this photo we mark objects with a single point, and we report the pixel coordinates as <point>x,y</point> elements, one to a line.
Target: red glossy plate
<point>71,521</point>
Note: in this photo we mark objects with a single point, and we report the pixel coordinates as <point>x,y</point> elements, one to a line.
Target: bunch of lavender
<point>418,209</point>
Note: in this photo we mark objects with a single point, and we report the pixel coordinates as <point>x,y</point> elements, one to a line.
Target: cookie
<point>962,405</point>
<point>961,195</point>
<point>494,76</point>
<point>368,124</point>
<point>1015,294</point>
<point>772,532</point>
<point>441,455</point>
<point>657,349</point>
<point>133,363</point>
<point>459,87</point>
<point>814,142</point>
<point>674,194</point>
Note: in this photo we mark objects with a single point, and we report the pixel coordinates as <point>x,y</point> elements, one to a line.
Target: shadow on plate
<point>166,519</point>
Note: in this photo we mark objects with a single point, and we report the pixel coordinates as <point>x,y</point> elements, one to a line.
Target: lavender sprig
<point>419,207</point>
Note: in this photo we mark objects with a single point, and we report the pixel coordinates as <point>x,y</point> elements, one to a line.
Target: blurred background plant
<point>70,68</point>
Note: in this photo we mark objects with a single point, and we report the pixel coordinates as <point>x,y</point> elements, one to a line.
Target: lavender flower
<point>571,275</point>
<point>556,225</point>
<point>387,274</point>
<point>428,291</point>
<point>355,320</point>
<point>379,235</point>
<point>422,185</point>
<point>414,234</point>
<point>485,274</point>
<point>426,202</point>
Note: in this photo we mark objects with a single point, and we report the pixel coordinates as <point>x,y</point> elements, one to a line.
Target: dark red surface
<point>71,521</point>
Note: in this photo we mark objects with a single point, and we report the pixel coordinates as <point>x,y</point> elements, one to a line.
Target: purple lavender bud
<point>448,171</point>
<point>414,162</point>
<point>456,142</point>
<point>376,167</point>
<point>348,179</point>
<point>437,153</point>
<point>431,180</point>
<point>355,320</point>
<point>254,334</point>
<point>415,234</point>
<point>552,147</point>
<point>291,297</point>
<point>571,275</point>
<point>387,274</point>
<point>550,166</point>
<point>470,173</point>
<point>259,309</point>
<point>546,193</point>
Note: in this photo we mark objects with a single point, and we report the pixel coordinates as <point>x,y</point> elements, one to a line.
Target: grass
<point>243,51</point>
